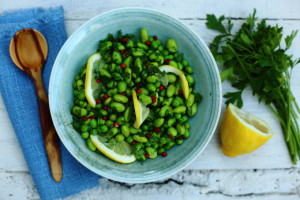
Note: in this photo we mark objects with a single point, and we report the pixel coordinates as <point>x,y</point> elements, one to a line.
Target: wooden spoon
<point>29,50</point>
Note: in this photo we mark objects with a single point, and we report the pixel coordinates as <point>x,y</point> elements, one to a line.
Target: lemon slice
<point>118,151</point>
<point>91,86</point>
<point>141,111</point>
<point>242,133</point>
<point>183,82</point>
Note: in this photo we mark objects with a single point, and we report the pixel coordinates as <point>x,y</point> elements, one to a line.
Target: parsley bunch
<point>253,57</point>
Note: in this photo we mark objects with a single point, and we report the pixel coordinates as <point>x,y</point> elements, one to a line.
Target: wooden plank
<point>282,184</point>
<point>266,157</point>
<point>85,9</point>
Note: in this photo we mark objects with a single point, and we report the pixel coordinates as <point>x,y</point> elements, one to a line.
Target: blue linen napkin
<point>20,100</point>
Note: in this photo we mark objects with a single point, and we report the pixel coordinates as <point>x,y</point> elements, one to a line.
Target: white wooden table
<point>265,174</point>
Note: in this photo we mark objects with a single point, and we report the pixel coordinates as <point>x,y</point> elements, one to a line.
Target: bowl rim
<point>182,164</point>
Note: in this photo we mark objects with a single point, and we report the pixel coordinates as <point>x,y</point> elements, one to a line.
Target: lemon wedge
<point>118,151</point>
<point>183,82</point>
<point>242,133</point>
<point>91,86</point>
<point>141,111</point>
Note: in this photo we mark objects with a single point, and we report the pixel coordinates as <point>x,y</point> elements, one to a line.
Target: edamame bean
<point>142,46</point>
<point>190,80</point>
<point>120,98</point>
<point>173,63</point>
<point>144,35</point>
<point>171,78</point>
<point>107,101</point>
<point>171,45</point>
<point>121,120</point>
<point>129,43</point>
<point>152,79</point>
<point>190,100</point>
<point>152,152</point>
<point>134,130</point>
<point>85,135</point>
<point>104,72</point>
<point>117,58</point>
<point>122,86</point>
<point>170,122</point>
<point>127,114</point>
<point>109,123</point>
<point>187,134</point>
<point>140,138</point>
<point>145,99</point>
<point>90,145</point>
<point>103,129</point>
<point>129,139</point>
<point>117,106</point>
<point>137,52</point>
<point>172,131</point>
<point>151,87</point>
<point>180,129</point>
<point>105,45</point>
<point>159,122</point>
<point>192,110</point>
<point>187,125</point>
<point>138,65</point>
<point>93,123</point>
<point>128,61</point>
<point>125,130</point>
<point>185,63</point>
<point>171,90</point>
<point>84,128</point>
<point>112,91</point>
<point>112,132</point>
<point>179,109</point>
<point>188,69</point>
<point>94,131</point>
<point>164,111</point>
<point>128,74</point>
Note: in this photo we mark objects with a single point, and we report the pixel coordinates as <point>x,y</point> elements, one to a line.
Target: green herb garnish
<point>254,57</point>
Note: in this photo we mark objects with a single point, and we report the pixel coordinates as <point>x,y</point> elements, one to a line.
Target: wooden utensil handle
<point>51,140</point>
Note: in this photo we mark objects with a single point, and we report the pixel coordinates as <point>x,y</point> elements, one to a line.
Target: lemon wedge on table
<point>183,82</point>
<point>117,151</point>
<point>91,86</point>
<point>141,111</point>
<point>242,132</point>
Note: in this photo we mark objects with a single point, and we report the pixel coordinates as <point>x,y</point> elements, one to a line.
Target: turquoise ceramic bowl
<point>83,43</point>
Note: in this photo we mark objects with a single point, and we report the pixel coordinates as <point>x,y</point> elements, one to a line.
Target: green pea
<point>76,110</point>
<point>152,79</point>
<point>164,111</point>
<point>179,109</point>
<point>109,123</point>
<point>112,132</point>
<point>107,101</point>
<point>101,121</point>
<point>145,99</point>
<point>128,114</point>
<point>180,129</point>
<point>94,131</point>
<point>125,130</point>
<point>151,87</point>
<point>138,65</point>
<point>120,98</point>
<point>145,127</point>
<point>190,100</point>
<point>140,138</point>
<point>152,152</point>
<point>117,58</point>
<point>172,131</point>
<point>170,90</point>
<point>90,145</point>
<point>129,43</point>
<point>85,135</point>
<point>192,110</point>
<point>79,84</point>
<point>171,45</point>
<point>105,45</point>
<point>116,106</point>
<point>190,80</point>
<point>119,138</point>
<point>84,128</point>
<point>83,112</point>
<point>93,123</point>
<point>137,52</point>
<point>188,69</point>
<point>129,139</point>
<point>159,122</point>
<point>185,63</point>
<point>144,35</point>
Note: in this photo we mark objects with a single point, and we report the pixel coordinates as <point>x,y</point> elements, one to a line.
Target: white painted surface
<point>265,174</point>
